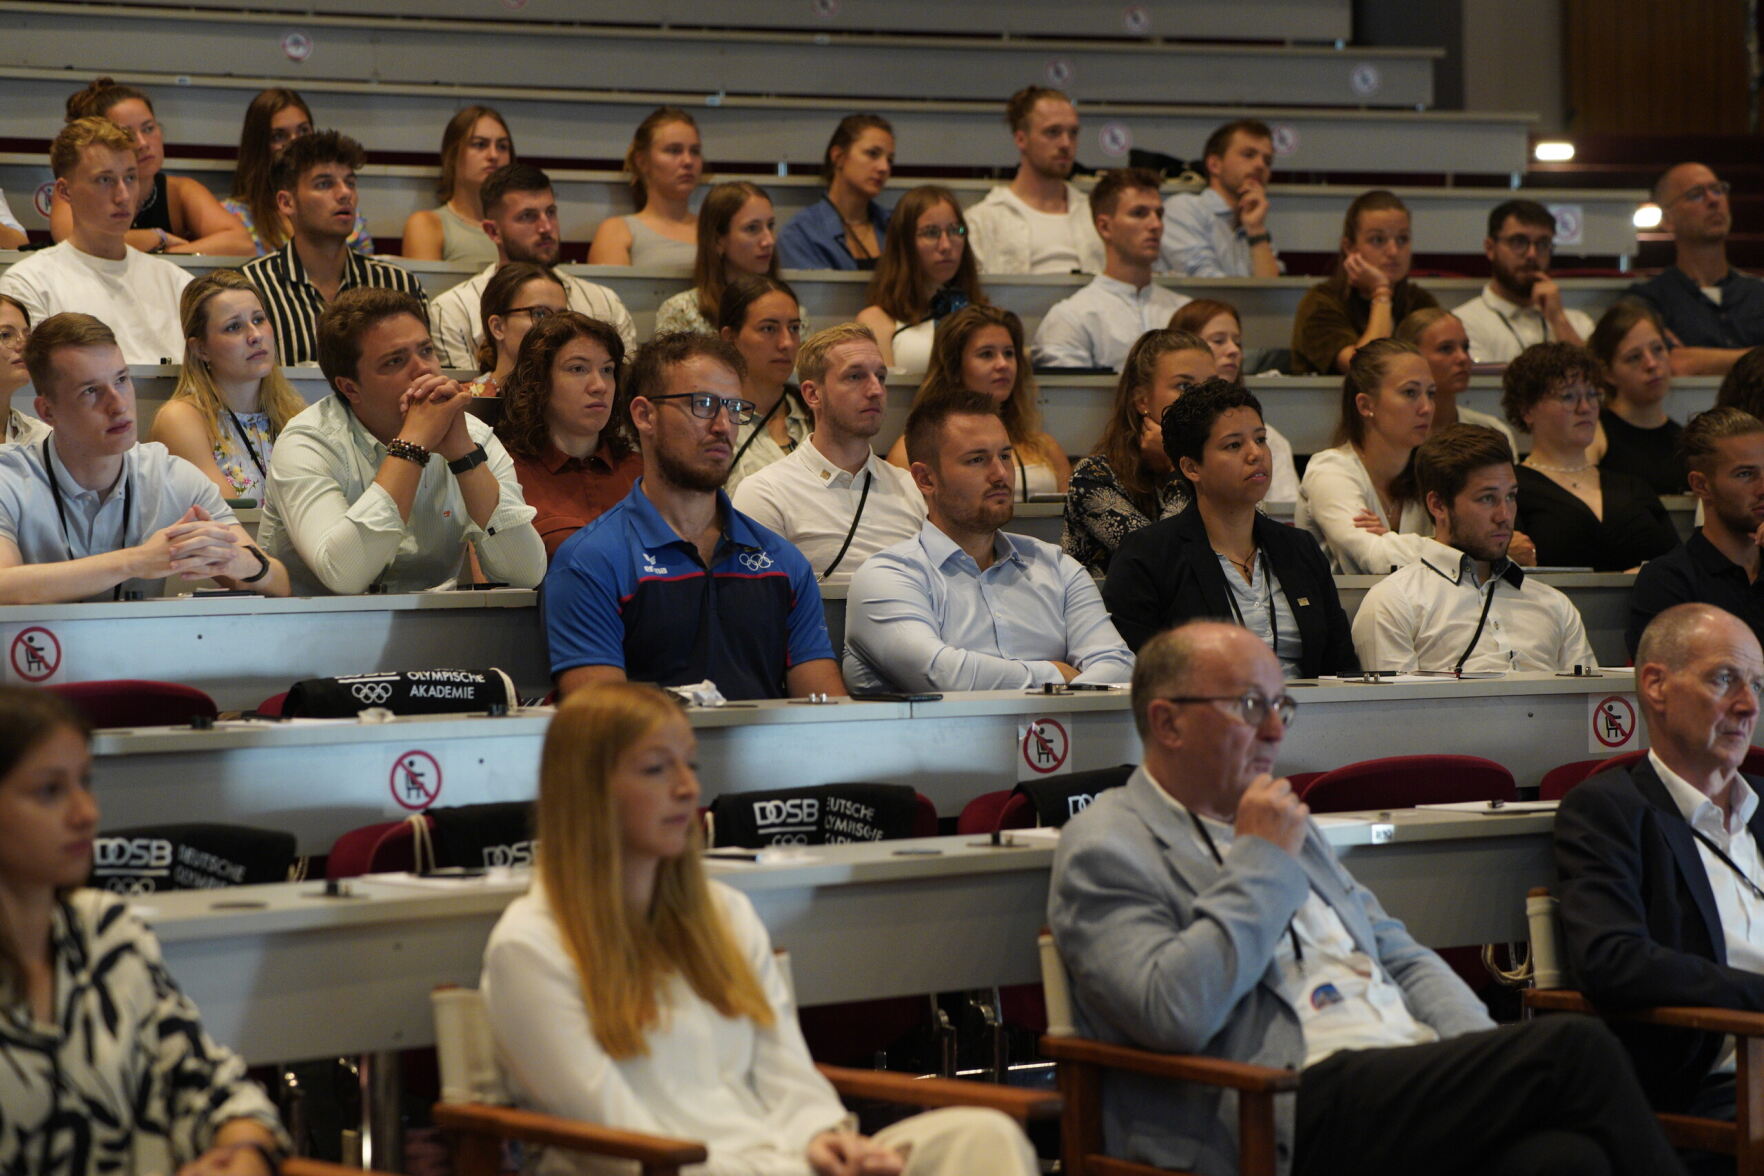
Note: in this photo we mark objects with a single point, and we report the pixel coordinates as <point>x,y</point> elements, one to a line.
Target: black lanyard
<point>869,476</point>
<point>1268,583</point>
<point>245,439</point>
<point>61,514</point>
<point>1757,891</point>
<point>759,427</point>
<point>1514,331</point>
<point>1298,952</point>
<point>1487,603</point>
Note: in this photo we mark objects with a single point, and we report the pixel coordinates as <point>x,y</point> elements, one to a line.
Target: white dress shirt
<point>1343,997</point>
<point>458,330</point>
<point>1202,238</point>
<point>1009,237</point>
<point>1425,616</point>
<point>811,502</point>
<point>1741,912</point>
<point>1335,488</point>
<point>1499,330</point>
<point>1098,326</point>
<point>338,531</point>
<point>922,615</point>
<point>136,297</point>
<point>154,490</point>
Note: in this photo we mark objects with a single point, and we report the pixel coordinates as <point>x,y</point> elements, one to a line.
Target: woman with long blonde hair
<point>980,349</point>
<point>626,988</point>
<point>231,401</point>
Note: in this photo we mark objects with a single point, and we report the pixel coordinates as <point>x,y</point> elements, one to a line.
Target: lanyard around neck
<point>128,493</point>
<point>1212,848</point>
<point>1268,584</point>
<point>869,476</point>
<point>245,440</point>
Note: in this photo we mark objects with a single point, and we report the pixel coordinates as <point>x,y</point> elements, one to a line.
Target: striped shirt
<point>295,304</point>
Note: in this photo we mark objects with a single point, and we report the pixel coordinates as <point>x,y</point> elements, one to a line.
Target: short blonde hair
<point>812,358</point>
<point>57,333</point>
<point>81,133</point>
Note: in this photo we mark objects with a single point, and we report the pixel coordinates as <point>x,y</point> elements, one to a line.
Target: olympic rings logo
<point>372,693</point>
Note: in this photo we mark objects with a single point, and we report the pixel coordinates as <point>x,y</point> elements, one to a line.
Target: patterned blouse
<point>124,1080</point>
<point>680,313</point>
<point>234,456</point>
<point>1099,514</point>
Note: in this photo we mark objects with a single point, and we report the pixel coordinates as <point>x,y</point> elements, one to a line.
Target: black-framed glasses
<point>538,313</point>
<point>705,406</point>
<point>1521,244</point>
<point>1702,192</point>
<point>1251,706</point>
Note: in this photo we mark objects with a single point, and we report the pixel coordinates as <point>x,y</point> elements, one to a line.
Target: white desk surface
<point>281,972</point>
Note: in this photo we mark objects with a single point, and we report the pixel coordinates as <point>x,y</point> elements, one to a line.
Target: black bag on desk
<point>190,857</point>
<point>1057,799</point>
<point>403,692</point>
<point>821,815</point>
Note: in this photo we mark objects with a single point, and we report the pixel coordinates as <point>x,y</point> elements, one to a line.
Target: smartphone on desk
<point>897,696</point>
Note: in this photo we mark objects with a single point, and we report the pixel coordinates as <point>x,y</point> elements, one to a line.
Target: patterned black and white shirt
<point>294,304</point>
<point>124,1080</point>
<point>1099,514</point>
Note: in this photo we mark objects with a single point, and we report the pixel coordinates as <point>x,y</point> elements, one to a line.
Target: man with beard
<point>1724,451</point>
<point>520,216</point>
<point>1463,605</point>
<point>1222,230</point>
<point>962,605</point>
<point>314,180</point>
<point>1097,326</point>
<point>834,497</point>
<point>1040,222</point>
<point>1712,311</point>
<point>1521,305</point>
<point>674,585</point>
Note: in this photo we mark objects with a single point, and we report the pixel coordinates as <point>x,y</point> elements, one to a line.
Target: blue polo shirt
<point>1737,321</point>
<point>627,591</point>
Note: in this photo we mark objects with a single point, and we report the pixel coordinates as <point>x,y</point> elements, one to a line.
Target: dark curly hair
<point>1188,422</point>
<point>1540,369</point>
<point>522,429</point>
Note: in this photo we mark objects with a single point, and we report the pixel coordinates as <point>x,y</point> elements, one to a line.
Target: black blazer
<point>1639,921</point>
<point>1167,573</point>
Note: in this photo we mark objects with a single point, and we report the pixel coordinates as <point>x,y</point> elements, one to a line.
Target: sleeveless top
<point>461,240</point>
<point>651,248</point>
<point>155,210</point>
<point>912,347</point>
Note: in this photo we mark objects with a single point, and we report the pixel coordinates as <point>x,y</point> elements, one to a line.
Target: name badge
<point>1304,602</point>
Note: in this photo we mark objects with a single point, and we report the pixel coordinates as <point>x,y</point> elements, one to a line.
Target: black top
<point>1168,573</point>
<point>1695,572</point>
<point>1635,527</point>
<point>1738,321</point>
<point>156,212</point>
<point>1648,454</point>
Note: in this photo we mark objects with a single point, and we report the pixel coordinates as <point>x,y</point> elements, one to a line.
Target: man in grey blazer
<point>1199,910</point>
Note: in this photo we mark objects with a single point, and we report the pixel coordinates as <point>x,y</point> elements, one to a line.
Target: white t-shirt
<point>1051,247</point>
<point>136,297</point>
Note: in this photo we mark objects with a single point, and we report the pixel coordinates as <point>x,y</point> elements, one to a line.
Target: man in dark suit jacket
<point>1659,862</point>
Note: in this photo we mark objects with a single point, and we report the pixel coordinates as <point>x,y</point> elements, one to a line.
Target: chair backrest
<point>1056,989</point>
<point>821,814</point>
<point>1557,782</point>
<point>1055,799</point>
<point>474,836</point>
<point>1404,781</point>
<point>136,702</point>
<point>152,858</point>
<point>981,815</point>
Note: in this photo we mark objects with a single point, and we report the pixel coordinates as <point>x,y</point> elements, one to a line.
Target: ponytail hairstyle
<point>1376,200</point>
<point>453,143</point>
<point>641,140</point>
<point>1371,364</point>
<point>96,100</point>
<point>1120,440</point>
<point>845,134</point>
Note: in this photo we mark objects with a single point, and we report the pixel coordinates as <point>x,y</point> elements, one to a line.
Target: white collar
<point>829,474</point>
<point>1697,809</point>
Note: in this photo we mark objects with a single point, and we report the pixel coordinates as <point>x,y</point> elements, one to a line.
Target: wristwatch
<point>408,450</point>
<point>470,461</point>
<point>1259,238</point>
<point>263,566</point>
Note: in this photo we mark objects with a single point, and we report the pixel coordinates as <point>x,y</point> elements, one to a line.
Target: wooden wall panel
<point>1657,66</point>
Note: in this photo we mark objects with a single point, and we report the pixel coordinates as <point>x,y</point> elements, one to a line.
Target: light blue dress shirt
<point>1202,238</point>
<point>921,615</point>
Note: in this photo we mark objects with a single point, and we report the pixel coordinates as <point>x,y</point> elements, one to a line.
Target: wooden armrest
<point>551,1131</point>
<point>1181,1067</point>
<point>1708,1020</point>
<point>891,1086</point>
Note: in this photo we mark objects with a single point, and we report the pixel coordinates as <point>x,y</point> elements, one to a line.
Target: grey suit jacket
<point>1169,951</point>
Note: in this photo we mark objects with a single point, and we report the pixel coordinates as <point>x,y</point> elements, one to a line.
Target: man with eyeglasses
<point>520,216</point>
<point>1198,909</point>
<point>1463,606</point>
<point>964,605</point>
<point>1712,312</point>
<point>382,487</point>
<point>314,178</point>
<point>1097,326</point>
<point>1660,880</point>
<point>1521,304</point>
<point>674,585</point>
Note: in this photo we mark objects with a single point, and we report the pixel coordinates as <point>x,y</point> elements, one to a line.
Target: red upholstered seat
<point>137,702</point>
<point>1404,781</point>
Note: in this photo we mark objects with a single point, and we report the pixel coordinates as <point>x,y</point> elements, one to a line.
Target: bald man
<point>1659,862</point>
<point>1199,910</point>
<point>1713,312</point>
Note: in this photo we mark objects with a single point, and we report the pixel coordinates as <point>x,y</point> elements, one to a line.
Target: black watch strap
<point>470,461</point>
<point>263,565</point>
